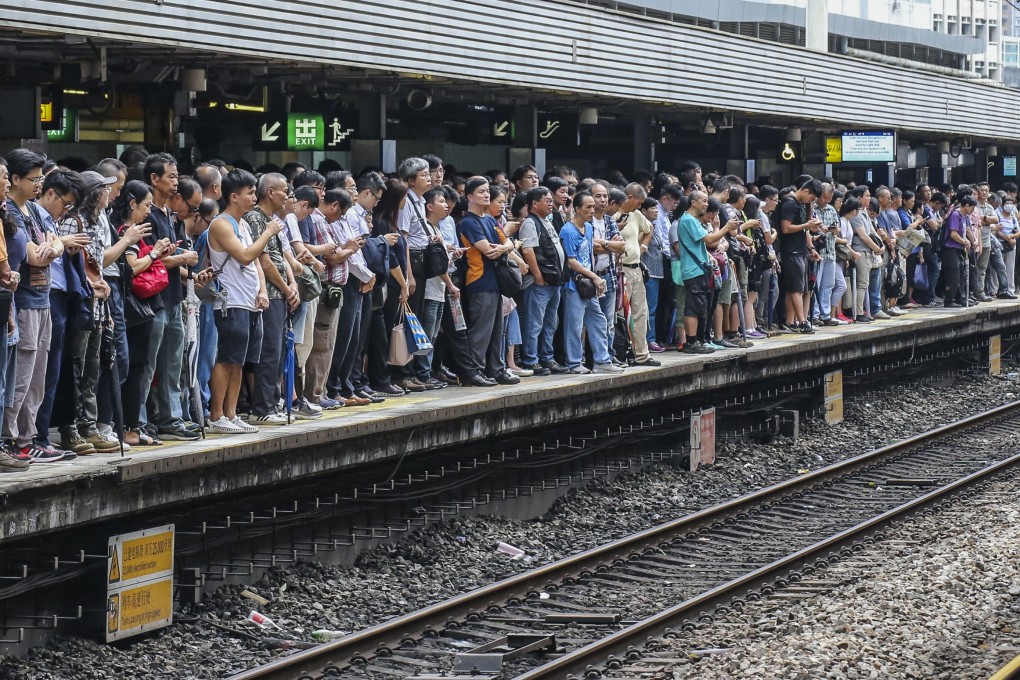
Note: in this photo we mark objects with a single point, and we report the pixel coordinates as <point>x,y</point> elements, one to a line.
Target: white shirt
<point>411,222</point>
<point>356,262</point>
<point>241,282</point>
<point>601,261</point>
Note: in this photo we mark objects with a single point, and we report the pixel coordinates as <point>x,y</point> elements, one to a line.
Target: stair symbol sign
<point>114,568</point>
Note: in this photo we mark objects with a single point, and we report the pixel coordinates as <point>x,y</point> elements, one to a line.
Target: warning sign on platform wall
<point>139,582</point>
<point>833,386</point>
<point>702,438</point>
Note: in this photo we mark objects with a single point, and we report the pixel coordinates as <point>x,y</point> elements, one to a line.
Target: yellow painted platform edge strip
<point>1008,670</point>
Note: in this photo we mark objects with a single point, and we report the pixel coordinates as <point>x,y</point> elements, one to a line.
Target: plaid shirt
<point>329,233</point>
<point>612,230</point>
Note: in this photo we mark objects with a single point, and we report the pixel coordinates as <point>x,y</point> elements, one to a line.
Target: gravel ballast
<point>444,560</point>
<point>941,601</point>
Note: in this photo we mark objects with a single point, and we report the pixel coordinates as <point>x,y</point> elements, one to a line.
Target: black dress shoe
<point>391,390</point>
<point>553,367</point>
<point>478,381</point>
<point>433,384</point>
<point>507,378</point>
<point>361,394</point>
<point>539,370</point>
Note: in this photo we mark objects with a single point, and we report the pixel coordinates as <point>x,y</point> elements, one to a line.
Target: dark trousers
<point>417,304</point>
<point>348,330</point>
<point>359,377</point>
<point>134,386</point>
<point>452,346</point>
<point>60,308</point>
<point>664,318</point>
<point>383,320</point>
<point>952,270</point>
<point>107,392</point>
<point>484,314</point>
<point>270,361</point>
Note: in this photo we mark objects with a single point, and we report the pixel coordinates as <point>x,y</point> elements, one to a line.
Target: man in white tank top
<point>235,260</point>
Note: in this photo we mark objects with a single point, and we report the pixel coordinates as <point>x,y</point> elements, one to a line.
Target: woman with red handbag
<point>142,269</point>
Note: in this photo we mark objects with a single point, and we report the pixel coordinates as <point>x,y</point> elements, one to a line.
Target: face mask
<point>1007,208</point>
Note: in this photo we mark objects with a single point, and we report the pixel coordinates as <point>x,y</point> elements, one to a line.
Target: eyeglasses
<point>377,196</point>
<point>36,180</point>
<point>67,204</point>
<point>193,210</point>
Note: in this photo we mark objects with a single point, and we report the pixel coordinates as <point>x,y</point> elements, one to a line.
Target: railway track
<point>571,616</point>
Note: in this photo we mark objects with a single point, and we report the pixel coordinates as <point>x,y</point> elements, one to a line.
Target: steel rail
<point>363,644</point>
<point>582,661</point>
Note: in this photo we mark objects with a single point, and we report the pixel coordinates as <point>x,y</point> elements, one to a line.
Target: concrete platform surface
<point>102,486</point>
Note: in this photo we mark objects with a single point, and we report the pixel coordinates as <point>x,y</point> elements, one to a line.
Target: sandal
<point>143,439</point>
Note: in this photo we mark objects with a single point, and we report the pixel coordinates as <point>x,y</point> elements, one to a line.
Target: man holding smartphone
<point>795,245</point>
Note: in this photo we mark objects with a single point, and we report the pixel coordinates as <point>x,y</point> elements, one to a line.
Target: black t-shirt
<point>793,211</point>
<point>164,226</point>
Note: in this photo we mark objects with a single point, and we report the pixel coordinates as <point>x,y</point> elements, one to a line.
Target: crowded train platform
<point>151,302</point>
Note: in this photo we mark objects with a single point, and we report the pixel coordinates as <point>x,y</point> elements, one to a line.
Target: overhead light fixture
<point>253,108</point>
<point>992,150</point>
<point>588,115</point>
<point>709,127</point>
<point>943,147</point>
<point>81,93</point>
<point>419,100</point>
<point>794,134</point>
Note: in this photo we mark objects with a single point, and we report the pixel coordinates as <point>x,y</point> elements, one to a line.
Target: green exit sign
<point>68,130</point>
<point>305,132</point>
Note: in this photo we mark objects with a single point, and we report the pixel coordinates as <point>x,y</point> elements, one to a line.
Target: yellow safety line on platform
<point>1008,670</point>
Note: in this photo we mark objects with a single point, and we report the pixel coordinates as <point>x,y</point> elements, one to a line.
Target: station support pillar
<point>525,151</point>
<point>644,144</point>
<point>369,149</point>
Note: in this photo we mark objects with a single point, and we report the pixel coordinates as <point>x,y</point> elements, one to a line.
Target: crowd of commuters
<point>156,304</point>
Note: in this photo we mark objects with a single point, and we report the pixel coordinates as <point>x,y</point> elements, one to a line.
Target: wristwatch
<point>153,256</point>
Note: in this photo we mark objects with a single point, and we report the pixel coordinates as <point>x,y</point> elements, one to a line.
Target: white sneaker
<point>607,368</point>
<point>224,426</point>
<point>245,427</point>
<point>269,419</point>
<point>579,370</point>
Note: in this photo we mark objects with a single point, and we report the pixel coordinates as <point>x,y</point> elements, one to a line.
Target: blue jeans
<point>586,314</point>
<point>825,281</point>
<point>608,304</point>
<point>432,318</point>
<point>169,363</point>
<point>208,336</point>
<point>652,295</point>
<point>542,303</point>
<point>875,291</point>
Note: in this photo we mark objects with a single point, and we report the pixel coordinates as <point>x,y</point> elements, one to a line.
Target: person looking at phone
<point>281,291</point>
<point>234,253</point>
<point>347,379</point>
<point>693,242</point>
<point>32,298</point>
<point>166,354</point>
<point>795,244</point>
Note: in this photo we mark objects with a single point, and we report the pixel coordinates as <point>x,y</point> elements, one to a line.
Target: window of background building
<point>1011,54</point>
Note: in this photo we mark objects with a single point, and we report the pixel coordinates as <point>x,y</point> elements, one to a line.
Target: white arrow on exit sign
<point>269,135</point>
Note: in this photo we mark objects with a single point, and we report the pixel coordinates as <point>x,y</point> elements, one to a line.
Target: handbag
<point>710,269</point>
<point>309,284</point>
<point>136,312</point>
<point>586,289</point>
<point>153,280</point>
<point>508,276</point>
<point>417,339</point>
<point>332,296</point>
<point>436,259</point>
<point>399,354</point>
<point>920,277</point>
